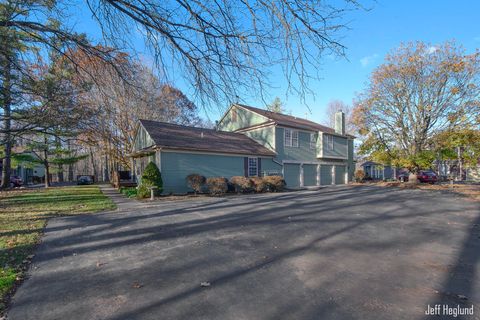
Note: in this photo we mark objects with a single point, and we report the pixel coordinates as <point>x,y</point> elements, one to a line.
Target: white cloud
<point>431,49</point>
<point>365,61</point>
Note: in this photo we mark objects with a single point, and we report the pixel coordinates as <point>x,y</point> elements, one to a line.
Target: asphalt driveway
<point>337,253</point>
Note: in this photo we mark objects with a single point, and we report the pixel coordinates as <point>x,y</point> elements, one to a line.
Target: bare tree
<point>335,106</point>
<point>419,91</point>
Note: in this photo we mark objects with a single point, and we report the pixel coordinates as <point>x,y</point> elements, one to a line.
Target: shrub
<point>274,183</point>
<point>196,182</point>
<point>259,184</point>
<point>151,177</point>
<point>359,175</point>
<point>241,184</point>
<point>217,186</point>
<point>129,191</point>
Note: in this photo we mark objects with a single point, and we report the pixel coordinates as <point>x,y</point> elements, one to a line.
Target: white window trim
<point>289,141</point>
<point>330,143</point>
<point>256,167</point>
<point>295,133</point>
<point>312,141</point>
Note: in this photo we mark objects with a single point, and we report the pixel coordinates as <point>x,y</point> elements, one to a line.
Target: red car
<point>427,176</point>
<point>422,176</point>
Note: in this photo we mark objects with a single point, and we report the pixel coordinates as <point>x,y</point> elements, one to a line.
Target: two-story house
<point>247,141</point>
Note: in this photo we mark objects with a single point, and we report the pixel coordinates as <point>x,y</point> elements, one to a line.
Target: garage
<point>309,175</point>
<point>291,174</point>
<point>326,174</point>
<point>340,174</point>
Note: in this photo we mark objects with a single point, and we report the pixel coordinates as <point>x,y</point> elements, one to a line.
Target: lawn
<point>23,214</point>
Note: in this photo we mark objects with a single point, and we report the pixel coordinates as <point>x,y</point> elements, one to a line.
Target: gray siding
<point>269,167</point>
<point>265,136</point>
<point>351,164</point>
<point>142,139</point>
<point>301,153</point>
<point>291,174</point>
<point>340,149</point>
<point>325,174</point>
<point>177,166</point>
<point>245,118</point>
<point>309,175</point>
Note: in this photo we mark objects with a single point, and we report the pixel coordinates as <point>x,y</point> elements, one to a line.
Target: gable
<point>237,118</point>
<point>142,139</point>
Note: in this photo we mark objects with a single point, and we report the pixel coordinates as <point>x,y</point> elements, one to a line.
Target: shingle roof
<point>289,121</point>
<point>173,136</point>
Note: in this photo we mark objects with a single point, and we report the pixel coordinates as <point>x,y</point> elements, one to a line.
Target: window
<point>252,167</point>
<point>288,138</point>
<point>234,115</point>
<point>291,138</point>
<point>294,138</point>
<point>329,142</point>
<point>312,141</point>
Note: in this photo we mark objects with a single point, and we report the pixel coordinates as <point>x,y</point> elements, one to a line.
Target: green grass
<point>23,215</point>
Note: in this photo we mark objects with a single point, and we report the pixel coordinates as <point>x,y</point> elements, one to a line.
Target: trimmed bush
<point>129,191</point>
<point>259,184</point>
<point>217,186</point>
<point>274,183</point>
<point>359,175</point>
<point>151,177</point>
<point>196,182</point>
<point>241,184</point>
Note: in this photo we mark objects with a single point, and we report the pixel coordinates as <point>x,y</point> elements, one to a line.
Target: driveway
<point>337,253</point>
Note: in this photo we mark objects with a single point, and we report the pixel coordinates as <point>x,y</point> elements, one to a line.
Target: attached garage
<point>340,174</point>
<point>309,175</point>
<point>326,174</point>
<point>291,174</point>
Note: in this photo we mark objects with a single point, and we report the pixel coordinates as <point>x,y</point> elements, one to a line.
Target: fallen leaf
<point>137,285</point>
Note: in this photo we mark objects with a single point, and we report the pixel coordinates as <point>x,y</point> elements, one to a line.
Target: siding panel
<point>177,166</point>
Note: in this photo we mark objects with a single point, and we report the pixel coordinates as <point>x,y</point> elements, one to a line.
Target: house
<point>247,141</point>
<point>31,173</point>
<point>378,171</point>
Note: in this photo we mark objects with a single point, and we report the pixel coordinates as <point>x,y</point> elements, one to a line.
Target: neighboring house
<point>378,171</point>
<point>30,173</point>
<point>249,142</point>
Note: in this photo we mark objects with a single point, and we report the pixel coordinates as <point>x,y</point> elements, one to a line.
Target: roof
<point>173,136</point>
<point>373,163</point>
<point>290,121</point>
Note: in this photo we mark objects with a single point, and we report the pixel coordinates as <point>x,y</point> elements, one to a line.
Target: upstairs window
<point>291,138</point>
<point>234,115</point>
<point>313,142</point>
<point>330,142</point>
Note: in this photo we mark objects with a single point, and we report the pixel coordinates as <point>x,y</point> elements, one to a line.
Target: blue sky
<point>373,34</point>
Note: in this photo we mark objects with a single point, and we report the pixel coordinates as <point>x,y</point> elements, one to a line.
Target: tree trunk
<point>46,164</point>
<point>7,124</point>
<point>460,163</point>
<point>94,165</point>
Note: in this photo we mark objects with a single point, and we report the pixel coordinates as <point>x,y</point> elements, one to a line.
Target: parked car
<point>16,181</point>
<point>424,176</point>
<point>83,180</point>
<point>427,176</point>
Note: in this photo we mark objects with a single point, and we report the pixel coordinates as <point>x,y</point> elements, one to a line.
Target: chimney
<point>340,122</point>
